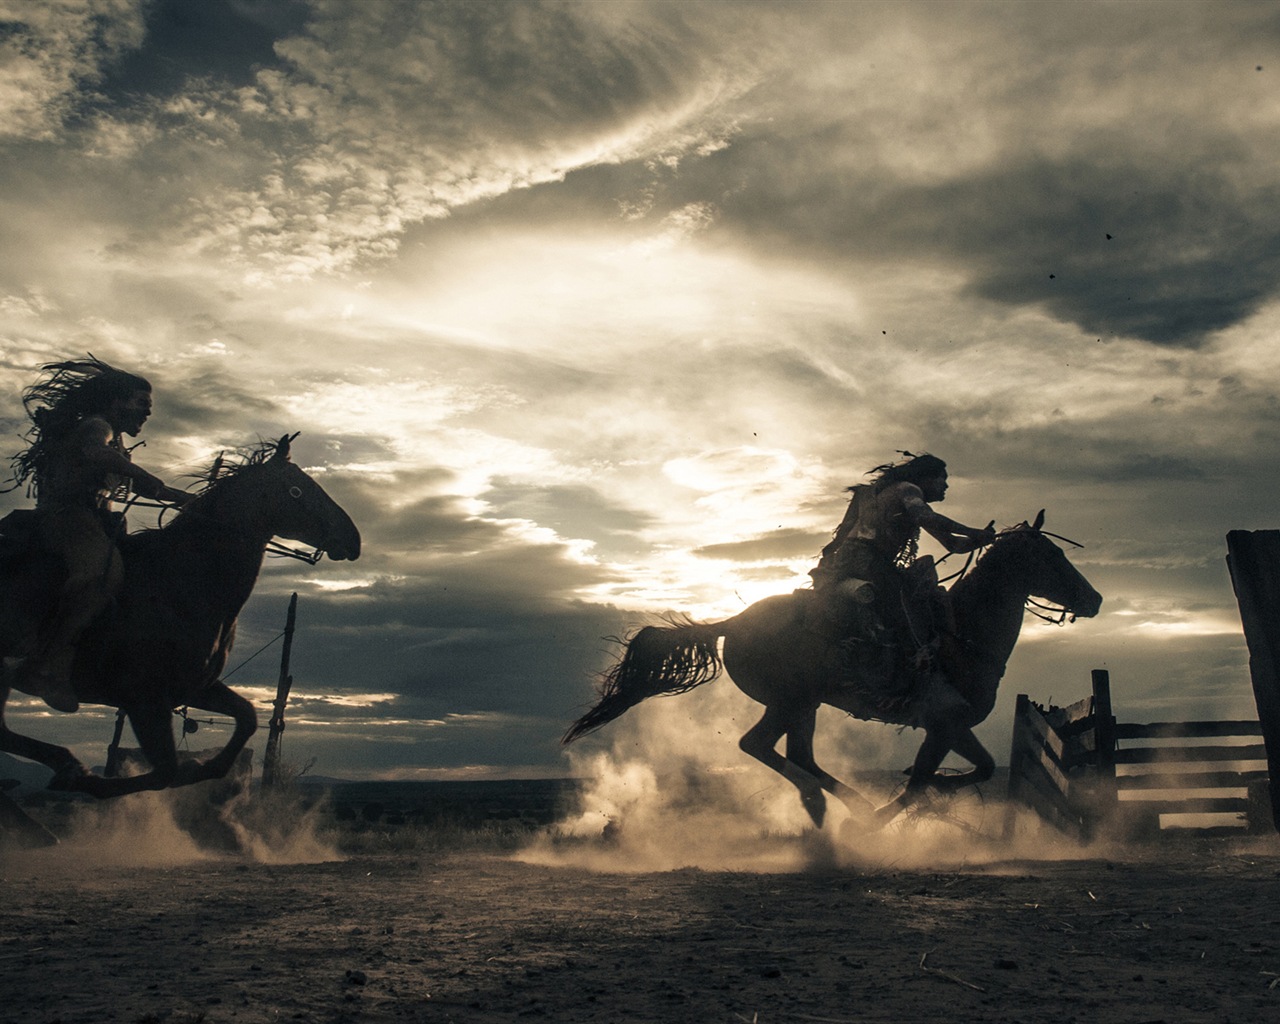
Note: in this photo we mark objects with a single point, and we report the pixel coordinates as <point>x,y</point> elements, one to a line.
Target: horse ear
<point>1039,521</point>
<point>282,446</point>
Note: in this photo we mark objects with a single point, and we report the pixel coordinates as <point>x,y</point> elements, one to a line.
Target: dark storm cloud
<point>1164,253</point>
<point>226,40</point>
<point>208,402</point>
<point>458,639</point>
<point>1139,251</point>
<point>1198,432</point>
<point>780,544</point>
<point>52,57</point>
<point>482,647</point>
<point>570,510</point>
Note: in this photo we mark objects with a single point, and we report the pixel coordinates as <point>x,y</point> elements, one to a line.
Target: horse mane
<point>227,466</point>
<point>984,568</point>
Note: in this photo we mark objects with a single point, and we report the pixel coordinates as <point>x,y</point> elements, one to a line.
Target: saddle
<point>886,655</point>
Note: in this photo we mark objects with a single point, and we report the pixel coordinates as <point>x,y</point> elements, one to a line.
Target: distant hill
<point>320,780</point>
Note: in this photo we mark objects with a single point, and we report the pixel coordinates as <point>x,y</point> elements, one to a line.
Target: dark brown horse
<point>165,642</point>
<point>777,653</point>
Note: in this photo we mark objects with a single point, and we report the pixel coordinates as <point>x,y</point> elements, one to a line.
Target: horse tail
<point>657,661</point>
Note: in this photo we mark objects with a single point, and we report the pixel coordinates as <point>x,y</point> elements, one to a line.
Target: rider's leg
<point>924,611</point>
<point>95,573</point>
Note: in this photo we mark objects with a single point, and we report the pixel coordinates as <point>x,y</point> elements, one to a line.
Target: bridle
<point>1054,614</point>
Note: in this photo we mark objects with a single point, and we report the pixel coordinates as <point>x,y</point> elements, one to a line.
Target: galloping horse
<point>167,638</point>
<point>776,655</point>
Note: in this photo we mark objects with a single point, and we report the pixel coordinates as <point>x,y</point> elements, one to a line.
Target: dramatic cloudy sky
<point>587,311</point>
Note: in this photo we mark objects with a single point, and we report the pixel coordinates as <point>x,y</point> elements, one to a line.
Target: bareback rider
<point>77,464</point>
<point>872,557</point>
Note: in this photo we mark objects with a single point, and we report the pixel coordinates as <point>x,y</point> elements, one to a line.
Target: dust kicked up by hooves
<point>178,827</point>
<point>671,790</point>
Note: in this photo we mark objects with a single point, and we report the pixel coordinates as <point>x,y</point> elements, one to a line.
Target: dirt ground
<point>1180,932</point>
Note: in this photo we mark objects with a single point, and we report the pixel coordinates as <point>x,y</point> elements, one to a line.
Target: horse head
<point>274,497</point>
<point>301,510</point>
<point>1045,570</point>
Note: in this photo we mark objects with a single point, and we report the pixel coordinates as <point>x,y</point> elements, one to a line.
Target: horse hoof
<point>886,813</point>
<point>816,804</point>
<point>70,778</point>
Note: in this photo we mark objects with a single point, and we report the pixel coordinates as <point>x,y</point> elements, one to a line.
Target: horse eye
<point>295,492</point>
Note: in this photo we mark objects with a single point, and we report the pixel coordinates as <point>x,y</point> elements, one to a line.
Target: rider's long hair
<point>68,392</point>
<point>913,469</point>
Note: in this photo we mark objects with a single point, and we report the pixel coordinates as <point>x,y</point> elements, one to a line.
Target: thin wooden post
<point>112,768</point>
<point>1253,559</point>
<point>271,758</point>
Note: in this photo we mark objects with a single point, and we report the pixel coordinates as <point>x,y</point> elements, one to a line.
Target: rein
<point>275,549</point>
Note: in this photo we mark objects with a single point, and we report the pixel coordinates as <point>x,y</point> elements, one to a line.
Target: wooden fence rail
<point>1083,772</point>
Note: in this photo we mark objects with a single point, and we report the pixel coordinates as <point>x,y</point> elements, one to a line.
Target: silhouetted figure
<point>78,467</point>
<point>872,556</point>
<point>165,640</point>
<point>775,656</point>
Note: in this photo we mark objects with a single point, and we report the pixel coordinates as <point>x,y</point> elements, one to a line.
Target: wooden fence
<point>1086,773</point>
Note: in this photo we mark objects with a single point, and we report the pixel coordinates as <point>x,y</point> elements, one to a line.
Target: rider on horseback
<point>78,464</point>
<point>872,557</point>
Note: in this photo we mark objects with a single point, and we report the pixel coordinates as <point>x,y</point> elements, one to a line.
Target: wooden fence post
<point>1253,559</point>
<point>1105,793</point>
<point>1016,766</point>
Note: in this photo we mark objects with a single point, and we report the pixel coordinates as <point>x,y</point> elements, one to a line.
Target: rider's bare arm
<point>955,537</point>
<point>93,438</point>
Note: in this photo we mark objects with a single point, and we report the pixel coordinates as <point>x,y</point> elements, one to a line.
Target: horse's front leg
<point>220,699</point>
<point>63,763</point>
<point>943,714</point>
<point>153,727</point>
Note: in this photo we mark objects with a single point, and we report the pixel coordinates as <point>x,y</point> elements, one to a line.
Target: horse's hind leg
<point>153,727</point>
<point>798,767</point>
<point>800,754</point>
<point>760,741</point>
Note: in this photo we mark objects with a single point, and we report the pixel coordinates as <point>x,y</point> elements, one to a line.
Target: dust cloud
<point>672,790</point>
<point>182,827</point>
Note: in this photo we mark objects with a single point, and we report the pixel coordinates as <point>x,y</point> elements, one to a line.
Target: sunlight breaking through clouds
<point>589,312</point>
